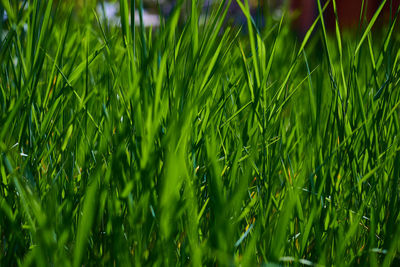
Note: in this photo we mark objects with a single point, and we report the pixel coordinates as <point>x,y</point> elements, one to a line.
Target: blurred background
<point>301,12</point>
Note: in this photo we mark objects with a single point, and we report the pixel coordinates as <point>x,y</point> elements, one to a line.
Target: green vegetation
<point>196,144</point>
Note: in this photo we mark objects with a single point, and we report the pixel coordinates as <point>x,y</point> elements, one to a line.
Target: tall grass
<point>196,144</point>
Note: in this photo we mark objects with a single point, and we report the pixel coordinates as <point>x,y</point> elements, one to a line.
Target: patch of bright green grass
<point>196,145</point>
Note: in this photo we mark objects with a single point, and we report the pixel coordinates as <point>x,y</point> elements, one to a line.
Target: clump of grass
<point>196,144</point>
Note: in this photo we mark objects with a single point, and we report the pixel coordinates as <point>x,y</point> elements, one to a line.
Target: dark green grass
<point>196,144</point>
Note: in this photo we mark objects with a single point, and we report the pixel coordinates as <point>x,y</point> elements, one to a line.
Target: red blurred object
<point>348,12</point>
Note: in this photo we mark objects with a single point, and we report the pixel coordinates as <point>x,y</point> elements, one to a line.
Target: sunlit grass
<point>196,144</point>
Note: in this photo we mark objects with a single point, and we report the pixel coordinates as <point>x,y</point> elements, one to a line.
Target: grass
<point>196,144</point>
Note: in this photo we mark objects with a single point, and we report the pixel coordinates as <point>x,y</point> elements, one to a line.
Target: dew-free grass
<point>196,144</point>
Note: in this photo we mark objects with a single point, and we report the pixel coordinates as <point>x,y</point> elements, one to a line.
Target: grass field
<point>196,143</point>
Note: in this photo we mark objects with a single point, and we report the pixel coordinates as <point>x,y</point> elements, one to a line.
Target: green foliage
<point>196,144</point>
